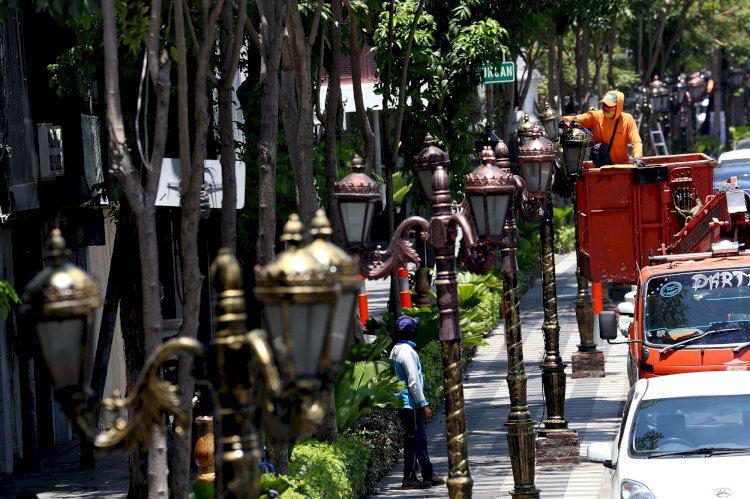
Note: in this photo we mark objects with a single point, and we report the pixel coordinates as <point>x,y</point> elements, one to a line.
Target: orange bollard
<point>405,293</point>
<point>364,312</point>
<point>596,295</point>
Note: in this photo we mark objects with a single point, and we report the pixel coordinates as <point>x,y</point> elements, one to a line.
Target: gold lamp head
<point>299,294</point>
<point>347,274</point>
<point>62,298</point>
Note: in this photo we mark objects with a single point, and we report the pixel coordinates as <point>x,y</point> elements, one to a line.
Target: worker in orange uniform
<point>612,127</point>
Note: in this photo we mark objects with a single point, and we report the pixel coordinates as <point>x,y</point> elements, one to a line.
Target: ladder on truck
<point>655,134</point>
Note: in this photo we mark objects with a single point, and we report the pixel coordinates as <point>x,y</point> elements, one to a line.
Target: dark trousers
<point>415,443</point>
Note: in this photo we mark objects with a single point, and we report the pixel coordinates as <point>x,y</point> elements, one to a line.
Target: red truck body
<point>692,304</point>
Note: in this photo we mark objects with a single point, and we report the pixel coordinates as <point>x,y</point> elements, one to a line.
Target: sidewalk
<point>593,407</point>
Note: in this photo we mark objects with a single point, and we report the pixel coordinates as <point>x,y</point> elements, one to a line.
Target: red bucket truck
<point>684,245</point>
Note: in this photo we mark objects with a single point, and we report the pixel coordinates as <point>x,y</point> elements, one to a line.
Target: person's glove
<point>639,162</point>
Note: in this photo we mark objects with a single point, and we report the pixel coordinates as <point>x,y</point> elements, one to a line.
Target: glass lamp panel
<point>62,343</point>
<point>552,129</point>
<point>478,211</point>
<point>275,327</point>
<point>532,177</point>
<point>571,155</point>
<point>586,157</point>
<point>497,207</point>
<point>353,215</point>
<point>369,212</point>
<point>309,323</point>
<point>425,180</point>
<point>546,173</point>
<point>342,325</point>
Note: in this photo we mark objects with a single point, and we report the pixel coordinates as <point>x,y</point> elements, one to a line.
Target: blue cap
<point>406,324</point>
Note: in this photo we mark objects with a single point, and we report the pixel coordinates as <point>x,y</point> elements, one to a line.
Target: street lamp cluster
<point>309,295</point>
<point>308,292</point>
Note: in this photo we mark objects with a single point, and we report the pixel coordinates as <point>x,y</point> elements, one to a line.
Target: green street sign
<point>506,73</point>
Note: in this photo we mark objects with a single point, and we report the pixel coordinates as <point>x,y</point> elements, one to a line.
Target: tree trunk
<point>333,105</point>
<point>300,51</point>
<point>273,19</point>
<point>363,122</point>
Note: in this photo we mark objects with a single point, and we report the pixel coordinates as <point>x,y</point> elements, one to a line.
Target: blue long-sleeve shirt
<point>408,368</point>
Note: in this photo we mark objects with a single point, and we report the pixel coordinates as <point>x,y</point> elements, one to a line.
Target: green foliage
<point>739,132</point>
<point>360,387</point>
<point>74,71</point>
<point>565,232</point>
<point>528,251</point>
<point>709,145</point>
<point>284,485</point>
<point>8,297</point>
<point>330,470</point>
<point>381,432</point>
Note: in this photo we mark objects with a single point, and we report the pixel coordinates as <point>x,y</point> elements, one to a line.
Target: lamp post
<point>483,218</point>
<point>537,160</point>
<point>682,96</point>
<point>307,294</point>
<point>695,87</point>
<point>576,143</point>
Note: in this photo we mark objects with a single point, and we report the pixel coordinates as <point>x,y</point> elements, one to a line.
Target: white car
<point>682,436</point>
<point>733,164</point>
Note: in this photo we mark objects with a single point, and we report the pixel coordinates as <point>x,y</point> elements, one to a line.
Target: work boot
<point>434,480</point>
<point>415,483</point>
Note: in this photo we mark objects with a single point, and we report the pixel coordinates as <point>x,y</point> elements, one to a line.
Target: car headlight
<point>630,489</point>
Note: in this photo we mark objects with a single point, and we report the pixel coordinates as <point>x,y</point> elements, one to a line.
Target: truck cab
<point>691,315</point>
<point>666,230</point>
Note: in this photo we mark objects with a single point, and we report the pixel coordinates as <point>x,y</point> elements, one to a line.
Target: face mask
<point>610,115</point>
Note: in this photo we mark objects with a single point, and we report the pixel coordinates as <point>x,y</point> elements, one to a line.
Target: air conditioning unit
<point>51,162</point>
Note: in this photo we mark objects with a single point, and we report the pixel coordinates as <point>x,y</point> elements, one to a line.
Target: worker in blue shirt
<point>416,409</point>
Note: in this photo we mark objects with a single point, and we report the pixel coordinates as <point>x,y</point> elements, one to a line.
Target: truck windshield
<point>690,304</point>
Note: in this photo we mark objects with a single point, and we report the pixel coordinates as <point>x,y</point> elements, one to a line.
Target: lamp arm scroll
<point>145,406</point>
<point>400,249</point>
<point>529,207</point>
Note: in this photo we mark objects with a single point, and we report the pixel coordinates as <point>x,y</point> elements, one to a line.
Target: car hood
<point>719,476</point>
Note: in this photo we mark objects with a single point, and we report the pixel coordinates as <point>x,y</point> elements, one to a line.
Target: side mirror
<point>600,452</point>
<point>608,325</point>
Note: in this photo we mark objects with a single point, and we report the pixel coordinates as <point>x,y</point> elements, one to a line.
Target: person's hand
<point>639,162</point>
<point>427,413</point>
<point>564,123</point>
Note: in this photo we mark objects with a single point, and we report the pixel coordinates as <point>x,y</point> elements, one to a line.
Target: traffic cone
<point>364,312</point>
<point>596,296</point>
<point>405,293</point>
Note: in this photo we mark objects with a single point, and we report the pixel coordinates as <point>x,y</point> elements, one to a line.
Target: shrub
<point>381,432</point>
<point>330,470</point>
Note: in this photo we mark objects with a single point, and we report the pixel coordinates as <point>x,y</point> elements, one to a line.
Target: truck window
<point>712,303</point>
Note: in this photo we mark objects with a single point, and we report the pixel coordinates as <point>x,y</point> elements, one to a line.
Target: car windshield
<point>711,425</point>
<point>698,308</point>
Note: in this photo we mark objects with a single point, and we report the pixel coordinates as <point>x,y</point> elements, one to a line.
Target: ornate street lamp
<point>576,143</point>
<point>695,87</point>
<point>489,196</point>
<point>658,96</point>
<point>525,130</point>
<point>550,121</point>
<point>539,156</point>
<point>520,425</point>
<point>487,139</point>
<point>288,378</point>
<point>356,195</point>
<point>63,298</point>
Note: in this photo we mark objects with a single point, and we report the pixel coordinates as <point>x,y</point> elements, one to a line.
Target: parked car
<point>742,144</point>
<point>682,435</point>
<point>733,164</point>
